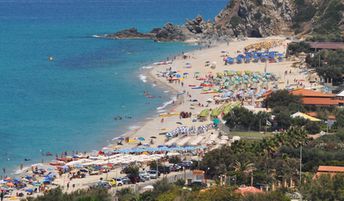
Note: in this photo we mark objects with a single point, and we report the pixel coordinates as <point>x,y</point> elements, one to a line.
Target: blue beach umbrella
<point>29,190</point>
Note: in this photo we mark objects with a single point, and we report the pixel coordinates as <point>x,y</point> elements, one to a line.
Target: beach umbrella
<point>29,190</point>
<point>10,184</point>
<point>216,121</point>
<point>141,138</point>
<point>154,137</point>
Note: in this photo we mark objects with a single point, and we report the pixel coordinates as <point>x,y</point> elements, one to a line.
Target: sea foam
<point>147,67</point>
<point>143,78</point>
<point>167,104</point>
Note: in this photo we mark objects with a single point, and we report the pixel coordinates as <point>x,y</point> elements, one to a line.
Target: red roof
<point>310,93</point>
<point>319,101</point>
<point>247,190</point>
<point>330,169</point>
<point>327,45</point>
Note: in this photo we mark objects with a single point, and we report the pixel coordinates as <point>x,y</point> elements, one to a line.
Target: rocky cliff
<point>256,18</point>
<point>260,18</point>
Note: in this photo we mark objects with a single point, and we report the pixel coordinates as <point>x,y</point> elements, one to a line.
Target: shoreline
<point>158,125</point>
<point>152,79</point>
<point>129,132</point>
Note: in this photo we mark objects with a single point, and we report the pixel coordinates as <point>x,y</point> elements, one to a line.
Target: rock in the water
<point>170,32</point>
<point>131,33</point>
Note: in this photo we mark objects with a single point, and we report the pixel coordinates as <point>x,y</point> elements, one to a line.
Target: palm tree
<point>296,136</point>
<point>245,169</point>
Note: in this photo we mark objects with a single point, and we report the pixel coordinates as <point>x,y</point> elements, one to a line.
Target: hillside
<point>259,18</point>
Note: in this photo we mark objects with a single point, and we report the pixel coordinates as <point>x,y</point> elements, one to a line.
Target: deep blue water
<point>69,104</point>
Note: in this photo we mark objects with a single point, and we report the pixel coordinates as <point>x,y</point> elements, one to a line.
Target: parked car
<point>126,180</point>
<point>103,185</point>
<point>153,174</point>
<point>105,170</point>
<point>164,169</point>
<point>175,168</point>
<point>142,178</point>
<point>94,172</point>
<point>186,164</point>
<point>119,181</point>
<point>84,170</point>
<point>145,175</point>
<point>112,182</point>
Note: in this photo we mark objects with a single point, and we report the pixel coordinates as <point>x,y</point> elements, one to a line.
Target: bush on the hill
<point>295,48</point>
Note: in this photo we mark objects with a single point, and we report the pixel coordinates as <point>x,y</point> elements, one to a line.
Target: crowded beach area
<point>207,83</point>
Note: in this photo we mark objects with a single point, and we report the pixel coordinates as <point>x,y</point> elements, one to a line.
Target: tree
<point>162,186</point>
<point>339,118</point>
<point>174,160</point>
<point>284,98</point>
<point>282,118</point>
<point>312,127</point>
<point>133,172</point>
<point>245,169</point>
<point>271,196</point>
<point>219,193</point>
<point>324,188</point>
<point>295,48</point>
<point>329,64</point>
<point>241,118</point>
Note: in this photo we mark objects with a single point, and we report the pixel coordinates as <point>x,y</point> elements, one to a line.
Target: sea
<point>72,102</point>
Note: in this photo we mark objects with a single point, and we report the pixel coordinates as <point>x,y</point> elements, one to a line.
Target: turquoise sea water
<point>69,104</point>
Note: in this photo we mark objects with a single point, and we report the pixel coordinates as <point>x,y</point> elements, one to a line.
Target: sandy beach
<point>185,93</point>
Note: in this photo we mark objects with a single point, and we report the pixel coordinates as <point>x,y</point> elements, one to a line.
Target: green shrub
<point>235,21</point>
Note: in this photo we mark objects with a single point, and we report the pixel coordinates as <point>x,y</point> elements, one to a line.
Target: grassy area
<point>251,135</point>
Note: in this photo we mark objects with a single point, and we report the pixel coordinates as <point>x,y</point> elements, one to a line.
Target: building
<point>315,46</point>
<point>316,98</point>
<point>246,190</point>
<point>329,170</point>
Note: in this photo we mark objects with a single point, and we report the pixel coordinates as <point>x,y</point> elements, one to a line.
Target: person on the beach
<point>2,195</point>
<point>67,186</point>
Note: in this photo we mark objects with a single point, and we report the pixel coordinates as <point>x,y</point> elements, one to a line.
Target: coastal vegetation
<point>282,105</point>
<point>81,195</point>
<point>329,64</point>
<point>175,192</point>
